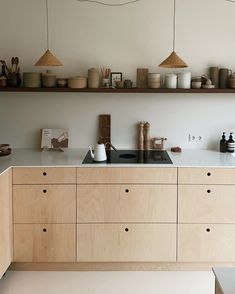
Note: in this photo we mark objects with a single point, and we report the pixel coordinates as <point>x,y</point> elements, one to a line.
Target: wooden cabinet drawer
<point>117,175</point>
<point>206,203</point>
<point>126,242</point>
<point>44,175</point>
<point>44,203</point>
<point>126,203</point>
<point>206,176</point>
<point>44,243</point>
<point>5,221</point>
<point>206,243</point>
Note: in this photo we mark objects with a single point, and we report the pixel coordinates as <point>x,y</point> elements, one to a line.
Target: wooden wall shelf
<point>119,91</point>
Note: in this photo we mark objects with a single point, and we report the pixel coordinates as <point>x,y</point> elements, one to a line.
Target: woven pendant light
<point>48,59</point>
<point>173,60</point>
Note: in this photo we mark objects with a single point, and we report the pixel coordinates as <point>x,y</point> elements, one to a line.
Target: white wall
<point>124,38</point>
<point>108,282</point>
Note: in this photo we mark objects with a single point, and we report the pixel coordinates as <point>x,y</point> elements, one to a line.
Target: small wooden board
<point>105,129</point>
<point>142,78</point>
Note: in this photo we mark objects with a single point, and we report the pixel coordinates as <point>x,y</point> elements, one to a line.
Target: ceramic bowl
<point>196,85</point>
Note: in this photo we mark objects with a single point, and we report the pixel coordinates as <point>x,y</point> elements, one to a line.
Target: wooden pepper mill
<point>141,136</point>
<point>147,139</point>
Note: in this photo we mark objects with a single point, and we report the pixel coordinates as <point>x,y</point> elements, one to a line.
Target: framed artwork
<point>115,77</point>
<point>54,139</point>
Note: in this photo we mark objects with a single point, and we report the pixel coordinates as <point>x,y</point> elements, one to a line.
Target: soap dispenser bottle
<point>223,143</point>
<point>230,144</point>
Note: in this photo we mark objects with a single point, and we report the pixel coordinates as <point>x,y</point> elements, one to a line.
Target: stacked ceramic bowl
<point>154,80</point>
<point>32,79</point>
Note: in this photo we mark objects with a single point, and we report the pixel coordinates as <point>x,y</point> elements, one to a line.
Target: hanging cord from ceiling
<point>109,4</point>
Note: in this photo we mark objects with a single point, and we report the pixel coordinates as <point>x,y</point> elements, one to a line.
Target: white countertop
<point>226,279</point>
<point>74,158</point>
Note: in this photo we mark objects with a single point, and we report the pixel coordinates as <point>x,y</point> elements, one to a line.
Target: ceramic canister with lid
<point>48,79</point>
<point>77,82</point>
<point>232,81</point>
<point>93,78</point>
<point>184,80</point>
<point>154,80</point>
<point>171,81</point>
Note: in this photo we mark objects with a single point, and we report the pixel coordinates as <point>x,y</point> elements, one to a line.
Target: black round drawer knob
<point>208,191</point>
<point>44,230</point>
<point>208,230</point>
<point>127,191</point>
<point>126,229</point>
<point>44,190</point>
<point>208,174</point>
<point>44,173</point>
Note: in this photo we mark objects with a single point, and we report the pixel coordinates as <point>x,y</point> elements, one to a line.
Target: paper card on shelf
<point>54,139</point>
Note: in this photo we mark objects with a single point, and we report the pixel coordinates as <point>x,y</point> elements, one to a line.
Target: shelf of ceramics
<point>114,90</point>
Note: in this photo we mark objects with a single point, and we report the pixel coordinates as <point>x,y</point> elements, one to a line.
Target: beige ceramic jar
<point>232,81</point>
<point>48,79</point>
<point>93,78</point>
<point>77,82</point>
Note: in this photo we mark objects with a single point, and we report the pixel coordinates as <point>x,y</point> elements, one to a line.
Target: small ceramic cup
<point>128,84</point>
<point>196,84</point>
<point>105,83</point>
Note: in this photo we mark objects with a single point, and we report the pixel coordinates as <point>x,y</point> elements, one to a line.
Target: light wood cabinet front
<point>126,203</point>
<point>117,175</point>
<point>44,175</point>
<point>126,242</point>
<point>206,203</point>
<point>44,243</point>
<point>5,221</point>
<point>224,176</point>
<point>206,243</point>
<point>44,203</point>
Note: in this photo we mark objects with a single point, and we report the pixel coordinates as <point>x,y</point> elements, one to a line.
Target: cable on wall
<point>109,4</point>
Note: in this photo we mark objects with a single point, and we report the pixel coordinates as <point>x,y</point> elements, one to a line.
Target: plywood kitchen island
<point>67,216</point>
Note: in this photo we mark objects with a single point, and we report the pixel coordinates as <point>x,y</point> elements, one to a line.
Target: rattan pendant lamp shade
<point>173,60</point>
<point>48,59</point>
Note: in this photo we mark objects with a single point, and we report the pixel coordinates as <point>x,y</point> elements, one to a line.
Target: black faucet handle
<point>111,145</point>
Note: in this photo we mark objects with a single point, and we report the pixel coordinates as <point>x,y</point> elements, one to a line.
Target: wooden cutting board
<point>105,129</point>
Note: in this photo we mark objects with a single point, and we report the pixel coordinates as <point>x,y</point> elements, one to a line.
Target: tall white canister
<point>184,80</point>
<point>171,81</point>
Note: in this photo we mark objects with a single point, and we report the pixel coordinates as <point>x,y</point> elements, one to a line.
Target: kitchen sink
<point>132,156</point>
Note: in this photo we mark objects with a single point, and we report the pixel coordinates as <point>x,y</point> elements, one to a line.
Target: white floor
<point>107,283</point>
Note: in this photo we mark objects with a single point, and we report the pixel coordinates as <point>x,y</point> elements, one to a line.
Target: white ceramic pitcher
<point>99,153</point>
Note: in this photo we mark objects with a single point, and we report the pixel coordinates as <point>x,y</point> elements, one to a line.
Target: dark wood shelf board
<point>118,91</point>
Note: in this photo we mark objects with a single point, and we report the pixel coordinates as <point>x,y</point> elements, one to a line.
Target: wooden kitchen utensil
<point>141,136</point>
<point>147,139</point>
<point>105,129</point>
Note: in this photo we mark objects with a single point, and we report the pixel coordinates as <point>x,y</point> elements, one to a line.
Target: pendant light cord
<point>174,31</point>
<point>47,24</point>
<point>108,4</point>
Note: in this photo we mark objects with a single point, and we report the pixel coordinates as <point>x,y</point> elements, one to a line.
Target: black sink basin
<point>132,156</point>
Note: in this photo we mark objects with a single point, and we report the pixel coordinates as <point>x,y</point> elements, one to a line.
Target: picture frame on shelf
<point>115,77</point>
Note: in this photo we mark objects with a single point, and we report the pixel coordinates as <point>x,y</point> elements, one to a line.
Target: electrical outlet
<point>195,138</point>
